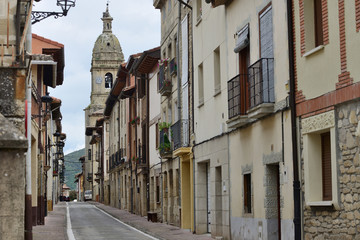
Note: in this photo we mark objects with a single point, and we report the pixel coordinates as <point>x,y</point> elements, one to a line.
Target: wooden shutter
<point>326,166</point>
<point>318,23</point>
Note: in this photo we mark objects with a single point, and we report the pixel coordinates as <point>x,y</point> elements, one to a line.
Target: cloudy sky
<point>136,24</point>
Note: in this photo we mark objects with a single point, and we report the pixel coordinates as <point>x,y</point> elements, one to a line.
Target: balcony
<point>261,88</point>
<point>180,134</point>
<point>238,101</point>
<point>164,81</point>
<point>165,147</point>
<point>141,161</point>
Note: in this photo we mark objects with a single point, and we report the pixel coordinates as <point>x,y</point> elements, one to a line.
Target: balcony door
<point>244,62</point>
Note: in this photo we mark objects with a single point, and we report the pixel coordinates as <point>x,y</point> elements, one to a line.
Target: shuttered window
<point>326,166</point>
<point>266,33</point>
<point>318,23</point>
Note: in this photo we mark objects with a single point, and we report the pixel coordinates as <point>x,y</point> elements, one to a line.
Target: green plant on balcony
<point>166,145</point>
<point>164,126</point>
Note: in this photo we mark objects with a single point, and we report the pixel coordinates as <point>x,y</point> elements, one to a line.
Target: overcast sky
<point>137,26</point>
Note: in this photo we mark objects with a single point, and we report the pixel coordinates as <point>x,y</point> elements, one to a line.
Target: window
<point>266,33</point>
<point>247,193</point>
<point>169,6</point>
<point>326,166</point>
<point>319,151</point>
<point>201,84</point>
<point>157,135</point>
<point>217,71</point>
<point>318,23</point>
<point>157,190</point>
<point>108,80</point>
<point>313,24</point>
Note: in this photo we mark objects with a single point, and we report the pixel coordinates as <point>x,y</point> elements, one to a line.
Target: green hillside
<point>72,167</point>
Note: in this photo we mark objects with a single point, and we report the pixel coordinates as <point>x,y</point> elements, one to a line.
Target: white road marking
<point>137,230</point>
<point>68,225</point>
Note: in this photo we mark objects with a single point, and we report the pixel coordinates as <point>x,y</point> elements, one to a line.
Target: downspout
<point>136,140</point>
<point>147,142</point>
<point>178,63</point>
<point>179,97</point>
<point>120,151</point>
<point>28,192</point>
<point>296,182</point>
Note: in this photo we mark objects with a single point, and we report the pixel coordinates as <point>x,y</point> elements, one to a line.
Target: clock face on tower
<point>98,80</point>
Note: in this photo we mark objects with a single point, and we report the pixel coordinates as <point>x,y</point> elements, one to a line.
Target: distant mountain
<point>72,167</point>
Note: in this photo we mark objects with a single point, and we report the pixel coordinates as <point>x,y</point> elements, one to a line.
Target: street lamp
<point>37,16</point>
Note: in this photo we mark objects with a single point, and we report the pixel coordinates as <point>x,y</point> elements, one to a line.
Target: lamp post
<point>37,16</point>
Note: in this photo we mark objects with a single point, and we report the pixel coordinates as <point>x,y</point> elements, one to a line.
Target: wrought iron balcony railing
<point>164,81</point>
<point>165,147</point>
<point>180,133</point>
<point>238,98</point>
<point>261,82</point>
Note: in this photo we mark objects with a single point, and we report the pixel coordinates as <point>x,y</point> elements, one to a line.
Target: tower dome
<point>107,46</point>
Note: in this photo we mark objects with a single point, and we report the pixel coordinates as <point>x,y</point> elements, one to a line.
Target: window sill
<point>314,50</point>
<point>198,20</point>
<point>217,92</point>
<point>320,204</point>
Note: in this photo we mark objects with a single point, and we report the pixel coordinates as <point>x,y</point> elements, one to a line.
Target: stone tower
<point>106,59</point>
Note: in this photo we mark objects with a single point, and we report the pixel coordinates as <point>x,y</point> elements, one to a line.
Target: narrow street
<point>92,220</point>
<point>89,222</point>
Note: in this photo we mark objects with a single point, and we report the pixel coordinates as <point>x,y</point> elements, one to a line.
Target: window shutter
<point>266,34</point>
<point>318,23</point>
<point>326,166</point>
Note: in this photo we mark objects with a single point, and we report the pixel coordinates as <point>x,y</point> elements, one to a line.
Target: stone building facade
<point>327,109</point>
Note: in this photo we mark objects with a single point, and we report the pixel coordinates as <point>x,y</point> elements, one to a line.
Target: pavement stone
<point>55,225</point>
<point>158,230</point>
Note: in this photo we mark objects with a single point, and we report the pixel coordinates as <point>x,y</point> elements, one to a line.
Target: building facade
<point>327,109</point>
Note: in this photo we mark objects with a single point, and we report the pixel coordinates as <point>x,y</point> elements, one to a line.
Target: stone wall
<point>327,222</point>
<point>12,97</point>
<point>12,181</point>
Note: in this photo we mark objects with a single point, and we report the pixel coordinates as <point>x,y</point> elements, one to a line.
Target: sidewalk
<point>55,225</point>
<point>158,230</point>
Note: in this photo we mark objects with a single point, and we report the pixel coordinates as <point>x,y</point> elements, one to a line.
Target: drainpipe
<point>296,182</point>
<point>28,190</point>
<point>147,83</point>
<point>178,63</point>
<point>120,151</point>
<point>28,193</point>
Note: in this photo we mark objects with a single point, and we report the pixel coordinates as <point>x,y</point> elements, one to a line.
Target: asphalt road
<point>90,223</point>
